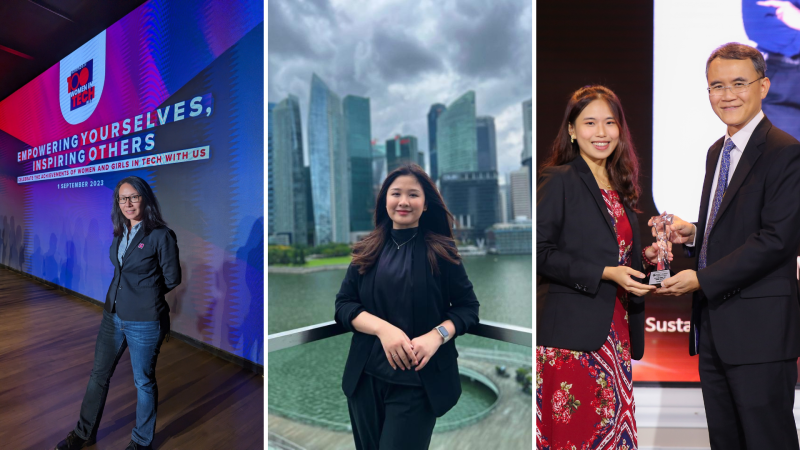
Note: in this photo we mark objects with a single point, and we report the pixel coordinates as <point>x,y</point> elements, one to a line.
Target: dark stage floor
<point>47,342</point>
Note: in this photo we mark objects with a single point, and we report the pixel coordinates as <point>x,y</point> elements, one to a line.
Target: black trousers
<point>388,416</point>
<point>747,406</point>
<point>782,104</point>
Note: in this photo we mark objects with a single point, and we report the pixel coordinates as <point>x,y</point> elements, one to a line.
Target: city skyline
<point>404,63</point>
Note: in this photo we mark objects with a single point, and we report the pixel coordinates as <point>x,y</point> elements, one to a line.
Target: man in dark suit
<point>745,313</point>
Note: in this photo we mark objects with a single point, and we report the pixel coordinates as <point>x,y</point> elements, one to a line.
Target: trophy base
<point>658,276</point>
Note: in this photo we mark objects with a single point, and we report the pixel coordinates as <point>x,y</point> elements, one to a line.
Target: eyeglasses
<point>737,88</point>
<point>134,199</point>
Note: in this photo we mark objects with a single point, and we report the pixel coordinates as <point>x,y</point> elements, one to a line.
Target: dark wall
<point>610,43</point>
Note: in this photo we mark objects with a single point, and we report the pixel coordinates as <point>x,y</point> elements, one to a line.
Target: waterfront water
<point>305,381</point>
<point>502,284</point>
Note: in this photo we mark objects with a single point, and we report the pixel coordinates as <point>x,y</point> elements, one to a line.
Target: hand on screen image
<point>681,231</point>
<point>785,11</point>
<point>683,282</point>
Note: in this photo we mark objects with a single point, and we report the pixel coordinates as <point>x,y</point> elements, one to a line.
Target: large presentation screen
<point>172,93</point>
<point>685,126</point>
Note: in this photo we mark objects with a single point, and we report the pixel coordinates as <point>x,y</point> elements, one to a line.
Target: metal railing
<point>488,329</point>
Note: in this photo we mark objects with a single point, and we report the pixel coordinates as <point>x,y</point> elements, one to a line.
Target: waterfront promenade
<point>508,426</point>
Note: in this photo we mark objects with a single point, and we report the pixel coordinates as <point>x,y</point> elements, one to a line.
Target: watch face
<point>444,332</point>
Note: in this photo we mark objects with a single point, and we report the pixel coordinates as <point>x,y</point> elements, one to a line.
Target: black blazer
<point>750,278</point>
<point>575,240</point>
<point>150,269</point>
<point>448,295</point>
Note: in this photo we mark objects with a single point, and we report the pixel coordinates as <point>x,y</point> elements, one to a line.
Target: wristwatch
<point>443,333</point>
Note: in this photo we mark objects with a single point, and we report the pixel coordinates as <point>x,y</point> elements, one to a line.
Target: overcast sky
<point>405,56</point>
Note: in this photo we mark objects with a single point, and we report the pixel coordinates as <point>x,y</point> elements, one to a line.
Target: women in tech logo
<point>80,85</point>
<point>82,76</point>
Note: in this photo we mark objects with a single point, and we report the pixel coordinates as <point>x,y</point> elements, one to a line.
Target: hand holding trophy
<point>661,225</point>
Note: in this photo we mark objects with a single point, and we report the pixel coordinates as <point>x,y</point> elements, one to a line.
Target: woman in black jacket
<point>144,253</point>
<point>590,309</point>
<point>405,297</point>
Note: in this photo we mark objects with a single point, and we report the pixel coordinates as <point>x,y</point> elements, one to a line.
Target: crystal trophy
<point>662,272</point>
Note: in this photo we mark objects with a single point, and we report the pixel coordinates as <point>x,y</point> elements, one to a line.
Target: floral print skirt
<point>585,400</point>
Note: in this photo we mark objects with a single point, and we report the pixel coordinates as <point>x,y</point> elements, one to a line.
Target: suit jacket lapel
<point>591,184</point>
<point>134,242</point>
<point>115,251</point>
<point>711,167</point>
<point>419,285</point>
<point>749,157</point>
<point>636,250</point>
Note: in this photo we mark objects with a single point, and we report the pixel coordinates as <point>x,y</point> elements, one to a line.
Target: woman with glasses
<point>405,297</point>
<point>590,320</point>
<point>144,253</point>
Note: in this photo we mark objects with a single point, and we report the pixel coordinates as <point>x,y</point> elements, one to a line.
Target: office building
<point>511,238</point>
<point>487,143</point>
<point>330,165</point>
<point>456,137</point>
<point>288,173</point>
<point>401,150</point>
<point>358,134</point>
<point>270,189</point>
<point>472,198</point>
<point>520,194</point>
<point>433,115</point>
<point>527,124</point>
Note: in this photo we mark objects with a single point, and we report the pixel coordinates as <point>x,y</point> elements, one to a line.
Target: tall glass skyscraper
<point>288,174</point>
<point>330,166</point>
<point>402,150</point>
<point>472,198</point>
<point>270,189</point>
<point>520,198</point>
<point>359,149</point>
<point>433,115</point>
<point>487,143</point>
<point>456,137</point>
<point>527,124</point>
<point>378,167</point>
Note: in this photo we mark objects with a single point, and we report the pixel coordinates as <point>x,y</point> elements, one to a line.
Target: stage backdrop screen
<point>172,93</point>
<point>684,127</point>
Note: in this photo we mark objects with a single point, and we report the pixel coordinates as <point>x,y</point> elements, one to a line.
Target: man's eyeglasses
<point>737,88</point>
<point>134,199</point>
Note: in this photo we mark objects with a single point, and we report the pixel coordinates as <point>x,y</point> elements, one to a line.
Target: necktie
<point>722,184</point>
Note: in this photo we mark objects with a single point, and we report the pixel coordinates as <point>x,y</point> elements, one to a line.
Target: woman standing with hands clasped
<point>405,297</point>
<point>590,310</point>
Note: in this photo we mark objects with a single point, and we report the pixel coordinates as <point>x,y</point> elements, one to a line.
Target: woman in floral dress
<point>590,307</point>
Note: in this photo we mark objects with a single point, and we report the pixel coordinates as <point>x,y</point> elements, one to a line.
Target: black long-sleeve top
<point>435,297</point>
<point>392,291</point>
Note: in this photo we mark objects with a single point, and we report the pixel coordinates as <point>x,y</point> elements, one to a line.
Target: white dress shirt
<point>740,140</point>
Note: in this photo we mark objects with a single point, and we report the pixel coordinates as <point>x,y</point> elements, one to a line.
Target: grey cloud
<point>285,37</point>
<point>399,56</point>
<point>405,60</point>
<point>489,39</point>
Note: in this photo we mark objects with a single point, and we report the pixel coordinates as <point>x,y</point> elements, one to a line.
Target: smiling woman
<point>591,308</point>
<point>405,297</point>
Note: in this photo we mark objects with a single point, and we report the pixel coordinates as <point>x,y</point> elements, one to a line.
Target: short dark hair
<point>151,211</point>
<point>735,50</point>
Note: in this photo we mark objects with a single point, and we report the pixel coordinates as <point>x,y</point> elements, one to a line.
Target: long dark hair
<point>436,224</point>
<point>150,210</point>
<point>623,165</point>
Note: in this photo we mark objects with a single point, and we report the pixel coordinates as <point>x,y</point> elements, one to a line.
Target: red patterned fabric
<point>585,400</point>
